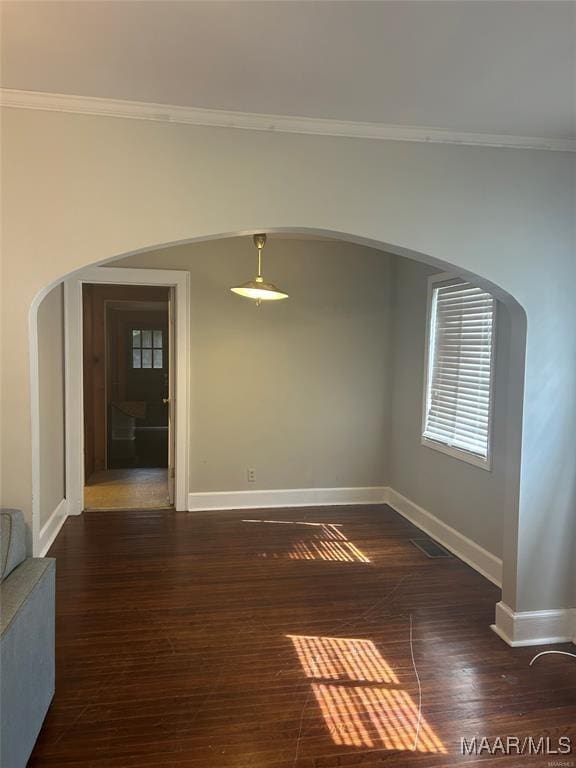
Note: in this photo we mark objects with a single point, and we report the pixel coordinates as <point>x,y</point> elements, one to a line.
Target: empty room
<point>288,384</point>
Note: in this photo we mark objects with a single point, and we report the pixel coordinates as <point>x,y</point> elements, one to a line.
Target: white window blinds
<point>459,377</point>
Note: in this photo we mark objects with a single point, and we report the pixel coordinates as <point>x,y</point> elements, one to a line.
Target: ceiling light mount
<point>259,241</point>
<point>258,290</point>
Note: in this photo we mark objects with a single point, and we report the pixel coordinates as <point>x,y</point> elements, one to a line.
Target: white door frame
<point>74,375</point>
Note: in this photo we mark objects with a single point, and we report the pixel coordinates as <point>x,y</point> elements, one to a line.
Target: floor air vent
<point>430,548</point>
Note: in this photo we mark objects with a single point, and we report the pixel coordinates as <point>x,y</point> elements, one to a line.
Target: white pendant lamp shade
<point>258,290</point>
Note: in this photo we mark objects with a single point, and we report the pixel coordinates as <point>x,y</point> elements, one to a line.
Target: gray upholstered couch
<point>26,641</point>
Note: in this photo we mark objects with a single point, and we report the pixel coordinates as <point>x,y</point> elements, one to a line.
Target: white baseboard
<point>484,562</point>
<point>476,556</point>
<point>535,627</point>
<point>292,497</point>
<point>50,529</point>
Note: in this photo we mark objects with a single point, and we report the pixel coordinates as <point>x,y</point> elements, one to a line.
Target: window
<point>460,362</point>
<point>147,351</point>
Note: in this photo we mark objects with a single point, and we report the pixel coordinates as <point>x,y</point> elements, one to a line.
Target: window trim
<point>457,453</point>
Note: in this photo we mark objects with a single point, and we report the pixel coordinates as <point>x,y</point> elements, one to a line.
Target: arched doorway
<point>517,330</point>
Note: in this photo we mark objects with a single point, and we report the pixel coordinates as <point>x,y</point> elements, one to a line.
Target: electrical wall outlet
<point>251,475</point>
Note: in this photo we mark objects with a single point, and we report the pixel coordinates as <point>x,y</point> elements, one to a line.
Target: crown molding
<point>165,113</point>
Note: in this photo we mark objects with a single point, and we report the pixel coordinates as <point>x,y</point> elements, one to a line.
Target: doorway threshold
<point>142,488</point>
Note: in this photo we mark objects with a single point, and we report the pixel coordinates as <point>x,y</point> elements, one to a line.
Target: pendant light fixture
<point>257,289</point>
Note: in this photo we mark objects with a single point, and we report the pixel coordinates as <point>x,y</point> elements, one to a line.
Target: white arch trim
<point>99,273</point>
<point>503,573</point>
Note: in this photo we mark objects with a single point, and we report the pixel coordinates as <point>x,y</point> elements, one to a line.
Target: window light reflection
<point>362,715</point>
<point>326,542</point>
<point>338,658</point>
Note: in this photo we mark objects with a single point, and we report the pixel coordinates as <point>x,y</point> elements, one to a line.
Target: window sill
<point>458,453</point>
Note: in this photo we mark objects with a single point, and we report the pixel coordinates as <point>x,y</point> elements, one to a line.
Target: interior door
<point>98,299</point>
<point>137,385</point>
<point>171,396</point>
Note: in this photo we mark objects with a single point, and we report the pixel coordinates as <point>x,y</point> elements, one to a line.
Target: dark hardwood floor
<point>200,640</point>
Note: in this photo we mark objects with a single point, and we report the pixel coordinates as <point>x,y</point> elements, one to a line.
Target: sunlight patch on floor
<point>383,716</point>
<point>337,658</point>
<point>327,542</point>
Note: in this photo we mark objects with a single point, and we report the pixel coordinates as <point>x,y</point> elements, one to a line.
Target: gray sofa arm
<point>12,541</point>
<point>27,627</point>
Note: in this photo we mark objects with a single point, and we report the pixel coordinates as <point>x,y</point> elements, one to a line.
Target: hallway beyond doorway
<point>127,489</point>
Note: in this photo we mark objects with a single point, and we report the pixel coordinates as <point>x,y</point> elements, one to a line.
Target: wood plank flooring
<point>193,640</point>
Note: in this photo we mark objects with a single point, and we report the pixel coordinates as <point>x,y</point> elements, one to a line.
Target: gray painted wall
<point>325,389</point>
<point>298,389</point>
<point>51,401</point>
<point>468,498</point>
<point>502,214</point>
<point>321,390</point>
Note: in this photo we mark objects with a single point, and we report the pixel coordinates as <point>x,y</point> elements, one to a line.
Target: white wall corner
<point>535,627</point>
<point>467,550</point>
<point>51,527</point>
<point>290,497</point>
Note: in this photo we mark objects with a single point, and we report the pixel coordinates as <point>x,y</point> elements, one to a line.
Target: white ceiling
<point>504,67</point>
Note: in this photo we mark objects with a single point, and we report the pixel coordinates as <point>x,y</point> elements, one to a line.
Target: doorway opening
<point>128,373</point>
